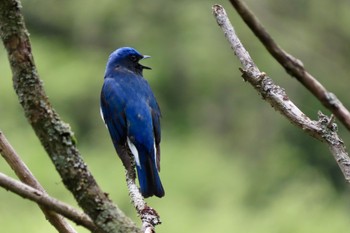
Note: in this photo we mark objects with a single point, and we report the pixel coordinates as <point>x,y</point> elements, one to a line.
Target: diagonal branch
<point>55,135</point>
<point>43,199</point>
<point>148,215</point>
<point>293,66</point>
<point>324,129</point>
<point>24,174</point>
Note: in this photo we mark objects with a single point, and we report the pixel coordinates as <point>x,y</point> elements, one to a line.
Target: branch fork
<point>324,129</point>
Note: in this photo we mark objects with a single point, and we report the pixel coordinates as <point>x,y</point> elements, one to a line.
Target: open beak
<point>145,67</point>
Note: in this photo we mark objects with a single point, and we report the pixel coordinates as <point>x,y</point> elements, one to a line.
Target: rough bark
<point>55,135</point>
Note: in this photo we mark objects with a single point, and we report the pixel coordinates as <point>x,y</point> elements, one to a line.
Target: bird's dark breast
<point>122,71</point>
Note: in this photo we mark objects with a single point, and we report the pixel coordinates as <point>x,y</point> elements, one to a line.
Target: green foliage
<point>229,162</point>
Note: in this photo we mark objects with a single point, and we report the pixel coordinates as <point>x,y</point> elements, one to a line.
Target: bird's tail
<point>149,179</point>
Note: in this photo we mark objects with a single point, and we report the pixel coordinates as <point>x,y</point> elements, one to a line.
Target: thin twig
<point>293,66</point>
<point>25,175</point>
<point>279,99</point>
<point>43,199</point>
<point>148,215</point>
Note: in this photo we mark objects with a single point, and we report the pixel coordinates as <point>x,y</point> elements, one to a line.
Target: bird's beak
<point>145,67</point>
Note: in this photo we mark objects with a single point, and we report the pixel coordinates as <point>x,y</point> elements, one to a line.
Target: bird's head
<point>128,58</point>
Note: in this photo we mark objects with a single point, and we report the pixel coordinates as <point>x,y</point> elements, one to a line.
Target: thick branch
<point>24,174</point>
<point>324,129</point>
<point>45,200</point>
<point>54,134</point>
<point>293,66</point>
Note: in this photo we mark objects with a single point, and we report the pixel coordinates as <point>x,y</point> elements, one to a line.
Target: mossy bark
<point>55,135</point>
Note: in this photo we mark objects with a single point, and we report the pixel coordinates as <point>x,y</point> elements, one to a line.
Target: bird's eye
<point>134,58</point>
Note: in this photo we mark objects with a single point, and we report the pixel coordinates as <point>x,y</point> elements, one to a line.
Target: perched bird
<point>132,116</point>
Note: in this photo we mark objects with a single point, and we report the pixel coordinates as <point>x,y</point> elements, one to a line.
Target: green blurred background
<point>230,163</point>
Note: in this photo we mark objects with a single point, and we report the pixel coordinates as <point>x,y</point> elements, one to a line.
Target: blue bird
<point>132,116</point>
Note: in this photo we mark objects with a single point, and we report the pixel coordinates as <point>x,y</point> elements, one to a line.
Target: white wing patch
<point>155,154</point>
<point>102,115</point>
<point>134,151</point>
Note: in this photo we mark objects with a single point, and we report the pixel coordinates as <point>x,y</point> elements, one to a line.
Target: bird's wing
<point>156,114</point>
<point>112,108</point>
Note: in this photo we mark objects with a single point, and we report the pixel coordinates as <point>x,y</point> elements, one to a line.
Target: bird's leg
<point>131,169</point>
<point>128,160</point>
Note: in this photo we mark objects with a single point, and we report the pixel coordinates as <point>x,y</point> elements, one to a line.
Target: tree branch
<point>324,129</point>
<point>148,215</point>
<point>293,66</point>
<point>24,174</point>
<point>55,135</point>
<point>43,199</point>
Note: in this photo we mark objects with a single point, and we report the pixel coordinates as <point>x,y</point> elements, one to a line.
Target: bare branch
<point>293,66</point>
<point>24,174</point>
<point>323,129</point>
<point>148,215</point>
<point>45,200</point>
<point>54,134</point>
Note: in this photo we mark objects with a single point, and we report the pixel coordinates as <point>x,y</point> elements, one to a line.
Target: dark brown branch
<point>293,66</point>
<point>45,200</point>
<point>24,174</point>
<point>323,129</point>
<point>55,135</point>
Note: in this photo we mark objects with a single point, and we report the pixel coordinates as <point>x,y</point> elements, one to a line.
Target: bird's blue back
<point>132,116</point>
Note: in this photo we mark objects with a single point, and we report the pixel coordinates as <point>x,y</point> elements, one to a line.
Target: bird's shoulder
<point>131,87</point>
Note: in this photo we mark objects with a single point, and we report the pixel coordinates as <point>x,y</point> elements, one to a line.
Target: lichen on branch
<point>55,135</point>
